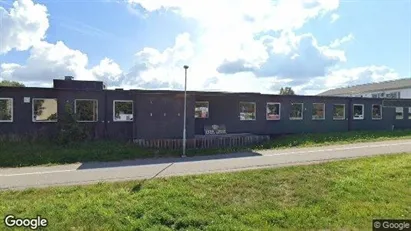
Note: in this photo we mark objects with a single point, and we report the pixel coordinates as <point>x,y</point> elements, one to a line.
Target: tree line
<point>8,83</point>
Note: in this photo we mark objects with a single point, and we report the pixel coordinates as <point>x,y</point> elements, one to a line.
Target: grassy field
<point>336,195</point>
<point>20,154</point>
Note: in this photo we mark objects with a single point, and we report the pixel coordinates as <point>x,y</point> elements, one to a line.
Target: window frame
<point>46,121</point>
<point>75,110</point>
<point>255,110</point>
<point>372,115</point>
<point>208,109</point>
<point>302,112</point>
<point>114,110</point>
<point>279,110</point>
<point>401,113</point>
<point>12,109</point>
<point>323,118</point>
<point>339,104</point>
<point>362,114</point>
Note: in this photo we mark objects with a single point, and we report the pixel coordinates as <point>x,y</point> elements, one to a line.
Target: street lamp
<point>185,111</point>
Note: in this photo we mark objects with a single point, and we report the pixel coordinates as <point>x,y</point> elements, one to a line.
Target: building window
<point>6,110</point>
<point>122,110</point>
<point>409,113</point>
<point>273,111</point>
<point>201,109</point>
<point>399,113</point>
<point>44,110</point>
<point>339,111</point>
<point>376,112</point>
<point>318,111</point>
<point>86,110</point>
<point>247,111</point>
<point>358,111</point>
<point>296,112</point>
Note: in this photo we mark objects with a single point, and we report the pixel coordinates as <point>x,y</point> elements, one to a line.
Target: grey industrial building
<point>155,115</point>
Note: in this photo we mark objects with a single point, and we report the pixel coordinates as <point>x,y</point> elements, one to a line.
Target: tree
<point>8,83</point>
<point>69,130</point>
<point>286,91</point>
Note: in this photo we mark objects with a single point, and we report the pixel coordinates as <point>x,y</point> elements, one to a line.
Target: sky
<point>229,45</point>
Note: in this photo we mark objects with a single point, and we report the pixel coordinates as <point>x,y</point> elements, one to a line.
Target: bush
<point>69,130</point>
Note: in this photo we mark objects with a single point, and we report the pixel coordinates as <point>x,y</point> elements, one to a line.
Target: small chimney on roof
<point>68,77</point>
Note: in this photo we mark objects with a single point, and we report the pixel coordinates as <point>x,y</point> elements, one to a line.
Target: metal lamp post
<point>185,111</point>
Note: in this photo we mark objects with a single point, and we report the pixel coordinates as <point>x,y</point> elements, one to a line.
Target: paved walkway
<point>85,173</point>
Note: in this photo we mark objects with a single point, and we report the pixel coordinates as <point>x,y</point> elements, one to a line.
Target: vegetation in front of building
<point>341,195</point>
<point>73,145</point>
<point>69,130</point>
<point>321,139</point>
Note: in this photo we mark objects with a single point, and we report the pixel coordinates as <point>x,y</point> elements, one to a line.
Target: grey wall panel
<point>161,116</point>
<point>120,130</point>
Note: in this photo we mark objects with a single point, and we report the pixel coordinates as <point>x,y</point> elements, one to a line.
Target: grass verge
<point>21,154</point>
<point>341,195</point>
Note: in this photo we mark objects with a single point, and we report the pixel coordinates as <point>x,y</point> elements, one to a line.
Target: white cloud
<point>229,34</point>
<point>360,75</point>
<point>220,41</point>
<point>48,61</point>
<point>243,47</point>
<point>334,17</point>
<point>290,56</point>
<point>241,82</point>
<point>156,69</point>
<point>108,71</point>
<point>228,28</point>
<point>350,77</point>
<point>22,26</point>
<point>238,45</point>
<point>257,15</point>
<point>340,41</point>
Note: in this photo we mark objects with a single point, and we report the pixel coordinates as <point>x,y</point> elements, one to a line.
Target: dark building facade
<point>148,114</point>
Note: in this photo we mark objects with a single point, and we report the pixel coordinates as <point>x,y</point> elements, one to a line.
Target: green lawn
<point>18,154</point>
<point>342,195</point>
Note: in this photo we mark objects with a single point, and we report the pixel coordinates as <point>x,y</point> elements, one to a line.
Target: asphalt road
<point>86,173</point>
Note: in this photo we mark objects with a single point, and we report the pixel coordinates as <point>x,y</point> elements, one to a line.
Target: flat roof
<point>199,93</point>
